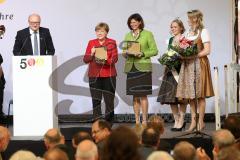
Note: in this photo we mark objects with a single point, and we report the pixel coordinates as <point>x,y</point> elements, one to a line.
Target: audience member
<point>53,137</point>
<point>160,155</point>
<point>122,144</point>
<point>229,153</point>
<point>150,141</point>
<point>101,129</point>
<point>201,154</point>
<point>158,123</point>
<point>23,155</point>
<point>184,151</point>
<point>79,137</point>
<point>232,123</point>
<point>55,154</point>
<point>86,150</point>
<point>221,138</point>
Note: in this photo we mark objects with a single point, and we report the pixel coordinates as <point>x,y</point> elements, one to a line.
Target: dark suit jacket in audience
<point>165,146</point>
<point>145,151</point>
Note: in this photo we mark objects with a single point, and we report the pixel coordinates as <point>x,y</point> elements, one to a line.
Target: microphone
<point>24,43</point>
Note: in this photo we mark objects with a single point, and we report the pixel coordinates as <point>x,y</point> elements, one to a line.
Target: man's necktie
<point>36,52</point>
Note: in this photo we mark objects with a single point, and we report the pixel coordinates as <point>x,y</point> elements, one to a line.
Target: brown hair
<point>180,24</point>
<point>122,144</point>
<point>136,17</point>
<point>102,25</point>
<point>156,122</point>
<point>197,17</point>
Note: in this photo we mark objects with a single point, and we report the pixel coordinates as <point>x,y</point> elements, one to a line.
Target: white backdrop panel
<point>72,23</point>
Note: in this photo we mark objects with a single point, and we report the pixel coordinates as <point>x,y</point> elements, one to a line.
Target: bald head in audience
<point>4,138</point>
<point>87,150</point>
<point>184,151</point>
<point>55,154</point>
<point>53,137</point>
<point>160,155</point>
<point>23,155</point>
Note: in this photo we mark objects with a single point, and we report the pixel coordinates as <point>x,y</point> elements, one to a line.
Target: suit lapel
<point>42,42</point>
<point>29,42</point>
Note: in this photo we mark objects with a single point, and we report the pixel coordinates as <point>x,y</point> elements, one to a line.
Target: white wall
<point>72,23</point>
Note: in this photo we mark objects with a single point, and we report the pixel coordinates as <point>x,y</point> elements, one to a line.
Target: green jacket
<point>148,48</point>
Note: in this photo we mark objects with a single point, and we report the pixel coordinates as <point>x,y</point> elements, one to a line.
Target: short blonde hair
<point>102,25</point>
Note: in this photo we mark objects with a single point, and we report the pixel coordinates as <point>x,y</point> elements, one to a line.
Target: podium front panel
<point>34,100</point>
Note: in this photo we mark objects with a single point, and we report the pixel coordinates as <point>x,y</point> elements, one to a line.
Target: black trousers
<point>103,86</point>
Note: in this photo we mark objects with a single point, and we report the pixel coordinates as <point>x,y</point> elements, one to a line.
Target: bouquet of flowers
<point>186,47</point>
<point>170,59</point>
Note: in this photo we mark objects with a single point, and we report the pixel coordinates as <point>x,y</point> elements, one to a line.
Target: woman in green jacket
<point>138,65</point>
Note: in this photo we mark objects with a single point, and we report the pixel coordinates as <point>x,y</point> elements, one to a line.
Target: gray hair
<point>223,138</point>
<point>91,151</point>
<point>157,155</point>
<point>23,155</point>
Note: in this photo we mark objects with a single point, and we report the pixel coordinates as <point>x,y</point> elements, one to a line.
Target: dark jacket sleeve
<point>1,59</point>
<point>18,44</point>
<point>49,43</point>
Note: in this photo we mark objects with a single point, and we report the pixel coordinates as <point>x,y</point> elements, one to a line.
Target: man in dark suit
<point>34,40</point>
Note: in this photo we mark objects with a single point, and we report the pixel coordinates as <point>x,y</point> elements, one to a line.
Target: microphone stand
<point>196,132</point>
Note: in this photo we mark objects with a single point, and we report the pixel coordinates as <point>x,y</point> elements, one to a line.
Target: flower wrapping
<point>170,58</point>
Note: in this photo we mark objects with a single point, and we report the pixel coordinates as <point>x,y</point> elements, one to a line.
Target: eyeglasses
<point>32,23</point>
<point>95,132</point>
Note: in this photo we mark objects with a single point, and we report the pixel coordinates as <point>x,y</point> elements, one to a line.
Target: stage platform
<point>69,129</point>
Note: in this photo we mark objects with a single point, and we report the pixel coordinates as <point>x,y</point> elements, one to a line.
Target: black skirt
<point>139,83</point>
<point>168,89</point>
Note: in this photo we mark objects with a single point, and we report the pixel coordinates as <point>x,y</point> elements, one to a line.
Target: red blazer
<point>98,70</point>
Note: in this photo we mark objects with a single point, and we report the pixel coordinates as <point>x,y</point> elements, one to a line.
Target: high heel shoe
<point>181,128</point>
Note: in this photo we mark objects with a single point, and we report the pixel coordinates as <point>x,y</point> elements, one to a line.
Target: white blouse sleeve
<point>167,41</point>
<point>205,36</point>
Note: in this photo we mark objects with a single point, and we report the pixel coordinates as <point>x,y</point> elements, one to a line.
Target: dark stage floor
<point>71,128</point>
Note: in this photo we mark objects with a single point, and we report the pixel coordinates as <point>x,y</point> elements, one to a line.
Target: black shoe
<point>181,128</point>
<point>173,129</point>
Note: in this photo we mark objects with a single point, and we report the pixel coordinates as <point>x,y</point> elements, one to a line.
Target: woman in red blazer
<point>102,73</point>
